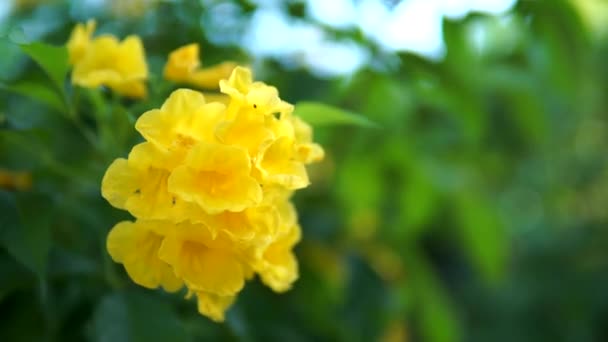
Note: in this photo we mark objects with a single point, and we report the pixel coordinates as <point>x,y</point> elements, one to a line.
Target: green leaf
<point>25,230</point>
<point>52,59</point>
<point>13,276</point>
<point>36,91</point>
<point>417,201</point>
<point>438,318</point>
<point>483,235</point>
<point>135,317</point>
<point>319,114</point>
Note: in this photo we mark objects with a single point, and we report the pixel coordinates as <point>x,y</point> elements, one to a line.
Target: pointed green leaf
<point>52,59</point>
<point>319,114</point>
<point>36,91</point>
<point>25,230</point>
<point>438,318</point>
<point>135,317</point>
<point>483,235</point>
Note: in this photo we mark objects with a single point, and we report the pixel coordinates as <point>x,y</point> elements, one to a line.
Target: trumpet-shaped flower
<point>276,164</point>
<point>184,65</point>
<point>142,263</point>
<point>216,177</point>
<point>184,120</point>
<point>105,61</point>
<point>80,40</point>
<point>257,96</point>
<point>204,263</point>
<point>277,265</point>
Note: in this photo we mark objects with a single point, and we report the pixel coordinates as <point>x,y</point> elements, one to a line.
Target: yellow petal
<point>209,78</point>
<point>216,177</point>
<point>146,155</point>
<point>238,84</point>
<point>280,267</point>
<point>136,247</point>
<point>252,227</point>
<point>182,62</point>
<point>119,183</point>
<point>204,268</point>
<point>132,64</point>
<point>118,65</point>
<point>265,99</point>
<point>309,153</point>
<point>247,130</point>
<point>134,89</point>
<point>182,121</point>
<point>79,40</point>
<point>276,165</point>
<point>151,200</point>
<point>213,306</point>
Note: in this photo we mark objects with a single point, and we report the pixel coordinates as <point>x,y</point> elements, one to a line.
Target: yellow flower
<point>139,185</point>
<point>256,96</point>
<point>104,60</point>
<point>216,177</point>
<point>80,40</point>
<point>183,120</point>
<point>142,263</point>
<point>277,265</point>
<point>210,188</point>
<point>10,180</point>
<point>306,151</point>
<point>276,164</point>
<point>204,263</point>
<point>247,130</point>
<point>184,64</point>
<point>212,305</point>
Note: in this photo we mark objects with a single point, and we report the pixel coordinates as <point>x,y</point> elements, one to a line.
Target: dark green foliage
<point>461,200</point>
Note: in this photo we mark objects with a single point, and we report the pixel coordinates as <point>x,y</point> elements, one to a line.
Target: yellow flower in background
<point>106,61</point>
<point>11,180</point>
<point>210,190</point>
<point>79,41</point>
<point>184,65</point>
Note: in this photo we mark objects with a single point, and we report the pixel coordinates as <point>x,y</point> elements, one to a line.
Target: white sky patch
<point>5,10</point>
<point>331,59</point>
<point>335,13</point>
<point>411,25</point>
<point>415,26</point>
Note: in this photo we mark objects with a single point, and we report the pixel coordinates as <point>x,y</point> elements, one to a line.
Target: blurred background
<point>475,212</point>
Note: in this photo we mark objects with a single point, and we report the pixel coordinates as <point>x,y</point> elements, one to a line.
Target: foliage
<point>473,210</point>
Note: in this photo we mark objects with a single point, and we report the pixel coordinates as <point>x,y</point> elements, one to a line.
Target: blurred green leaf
<point>438,320</point>
<point>418,201</point>
<point>319,114</point>
<point>52,59</point>
<point>12,276</point>
<point>36,91</point>
<point>25,234</point>
<point>135,317</point>
<point>483,235</point>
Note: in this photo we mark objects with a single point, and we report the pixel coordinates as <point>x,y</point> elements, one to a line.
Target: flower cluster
<point>210,190</point>
<point>105,61</point>
<point>184,66</point>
